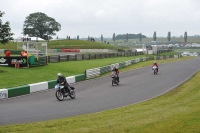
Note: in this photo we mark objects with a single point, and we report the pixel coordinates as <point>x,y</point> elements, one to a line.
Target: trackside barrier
<point>80,77</point>
<point>91,73</point>
<point>70,79</point>
<point>19,90</point>
<point>51,84</point>
<point>3,93</point>
<point>30,88</point>
<point>38,86</point>
<point>59,58</point>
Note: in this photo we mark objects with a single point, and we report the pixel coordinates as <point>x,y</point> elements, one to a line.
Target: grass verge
<point>68,44</point>
<point>175,111</point>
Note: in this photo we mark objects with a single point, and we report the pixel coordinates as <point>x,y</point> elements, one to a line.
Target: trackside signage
<point>11,61</point>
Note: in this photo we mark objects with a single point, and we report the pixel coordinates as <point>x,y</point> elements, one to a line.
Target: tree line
<point>40,25</point>
<point>129,36</point>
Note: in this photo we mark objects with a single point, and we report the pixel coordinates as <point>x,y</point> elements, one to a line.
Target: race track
<point>98,94</point>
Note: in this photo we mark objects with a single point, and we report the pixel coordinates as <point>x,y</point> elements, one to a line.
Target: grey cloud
<point>89,17</point>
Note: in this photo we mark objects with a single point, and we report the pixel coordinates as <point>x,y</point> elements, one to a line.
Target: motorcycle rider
<point>62,80</point>
<point>155,64</point>
<point>117,72</point>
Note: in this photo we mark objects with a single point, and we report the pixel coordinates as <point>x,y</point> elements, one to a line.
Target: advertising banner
<point>11,61</point>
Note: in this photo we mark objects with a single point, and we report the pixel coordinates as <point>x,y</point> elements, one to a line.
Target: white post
<point>46,48</point>
<point>27,46</point>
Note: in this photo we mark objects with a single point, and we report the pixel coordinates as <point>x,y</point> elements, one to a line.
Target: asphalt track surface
<point>98,94</point>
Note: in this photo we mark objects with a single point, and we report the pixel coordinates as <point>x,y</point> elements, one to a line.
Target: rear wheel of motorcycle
<point>117,83</point>
<point>72,95</point>
<point>59,95</point>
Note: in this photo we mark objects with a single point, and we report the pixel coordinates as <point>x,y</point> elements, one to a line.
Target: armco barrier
<point>19,90</point>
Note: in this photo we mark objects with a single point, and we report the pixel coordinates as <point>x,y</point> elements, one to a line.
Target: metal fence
<point>60,58</point>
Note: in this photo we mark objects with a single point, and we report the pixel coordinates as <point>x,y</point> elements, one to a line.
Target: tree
<point>140,37</point>
<point>185,36</point>
<point>154,36</point>
<point>5,31</point>
<point>126,37</point>
<point>169,36</point>
<point>39,24</point>
<point>114,37</point>
<point>102,38</point>
<point>130,36</point>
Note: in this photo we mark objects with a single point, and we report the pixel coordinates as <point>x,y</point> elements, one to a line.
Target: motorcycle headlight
<point>61,87</point>
<point>56,87</point>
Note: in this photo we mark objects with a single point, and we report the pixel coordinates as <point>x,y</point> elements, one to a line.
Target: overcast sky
<point>96,17</point>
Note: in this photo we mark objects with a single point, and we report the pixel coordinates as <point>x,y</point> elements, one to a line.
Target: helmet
<point>114,68</point>
<point>59,74</point>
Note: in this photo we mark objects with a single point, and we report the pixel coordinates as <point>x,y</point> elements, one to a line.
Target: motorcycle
<point>114,78</point>
<point>61,92</point>
<point>154,68</point>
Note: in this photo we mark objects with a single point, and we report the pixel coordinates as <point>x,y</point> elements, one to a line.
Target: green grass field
<point>174,112</point>
<point>68,44</point>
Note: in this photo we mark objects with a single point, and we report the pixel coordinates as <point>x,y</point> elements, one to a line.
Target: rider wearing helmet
<point>62,80</point>
<point>117,72</point>
<point>155,64</point>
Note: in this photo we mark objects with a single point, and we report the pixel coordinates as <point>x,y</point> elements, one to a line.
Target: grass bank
<point>176,111</point>
<point>68,44</point>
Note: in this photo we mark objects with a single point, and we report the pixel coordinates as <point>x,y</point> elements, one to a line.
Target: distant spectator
<point>25,54</point>
<point>8,53</point>
<point>22,52</point>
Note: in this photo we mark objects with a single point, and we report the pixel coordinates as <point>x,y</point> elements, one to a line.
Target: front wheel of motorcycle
<point>72,94</point>
<point>59,95</point>
<point>113,82</point>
